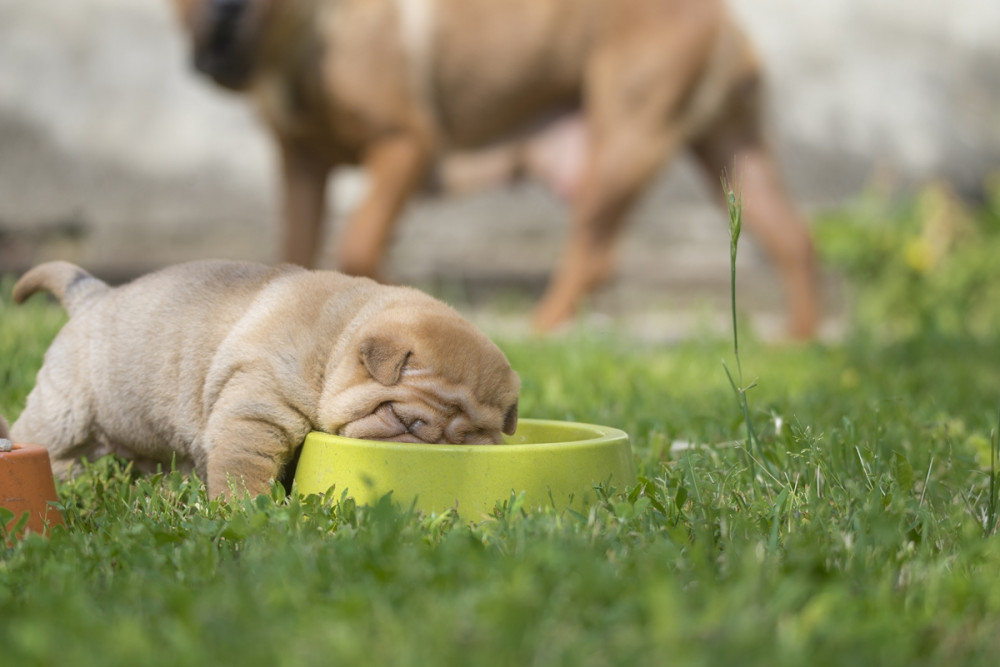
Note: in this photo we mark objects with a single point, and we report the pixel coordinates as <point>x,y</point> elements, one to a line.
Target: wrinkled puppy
<point>225,367</point>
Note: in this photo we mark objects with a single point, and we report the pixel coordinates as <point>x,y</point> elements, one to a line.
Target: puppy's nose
<point>416,426</point>
<point>412,423</point>
<point>419,428</point>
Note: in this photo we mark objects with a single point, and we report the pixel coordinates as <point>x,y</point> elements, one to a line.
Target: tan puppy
<point>226,366</point>
<point>612,88</point>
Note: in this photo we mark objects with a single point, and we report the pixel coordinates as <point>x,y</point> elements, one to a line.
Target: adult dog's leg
<point>620,166</point>
<point>736,146</point>
<point>635,87</point>
<point>395,166</point>
<point>304,179</point>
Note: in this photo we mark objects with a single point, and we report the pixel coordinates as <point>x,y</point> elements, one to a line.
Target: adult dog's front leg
<point>395,166</point>
<point>304,179</point>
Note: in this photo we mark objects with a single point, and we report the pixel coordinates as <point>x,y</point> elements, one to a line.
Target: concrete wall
<point>103,124</point>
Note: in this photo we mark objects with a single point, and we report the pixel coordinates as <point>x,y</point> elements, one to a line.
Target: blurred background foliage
<point>925,263</point>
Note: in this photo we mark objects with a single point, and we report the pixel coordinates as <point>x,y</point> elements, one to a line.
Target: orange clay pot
<point>26,485</point>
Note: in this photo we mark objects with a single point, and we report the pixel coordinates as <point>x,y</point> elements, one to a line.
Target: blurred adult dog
<point>592,96</point>
<point>224,367</point>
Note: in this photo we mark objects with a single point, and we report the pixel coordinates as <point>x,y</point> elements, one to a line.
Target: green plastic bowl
<point>552,462</point>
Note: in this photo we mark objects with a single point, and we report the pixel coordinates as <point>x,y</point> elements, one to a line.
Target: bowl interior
<point>550,462</point>
<point>544,432</point>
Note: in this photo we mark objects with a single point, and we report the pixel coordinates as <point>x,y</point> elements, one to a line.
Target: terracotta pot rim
<point>23,446</point>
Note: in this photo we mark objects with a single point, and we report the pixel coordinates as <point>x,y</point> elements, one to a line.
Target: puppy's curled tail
<point>67,282</point>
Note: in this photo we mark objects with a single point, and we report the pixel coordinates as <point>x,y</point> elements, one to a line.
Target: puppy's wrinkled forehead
<point>438,342</point>
<point>461,354</point>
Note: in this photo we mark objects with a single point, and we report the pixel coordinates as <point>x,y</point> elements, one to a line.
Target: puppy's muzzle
<point>383,424</point>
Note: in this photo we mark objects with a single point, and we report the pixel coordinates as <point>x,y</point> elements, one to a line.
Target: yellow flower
<point>920,254</point>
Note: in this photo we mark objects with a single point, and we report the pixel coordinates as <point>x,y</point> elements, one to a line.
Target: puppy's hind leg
<point>57,416</point>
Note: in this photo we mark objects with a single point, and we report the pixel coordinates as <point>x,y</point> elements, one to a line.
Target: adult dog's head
<point>225,35</point>
<point>420,373</point>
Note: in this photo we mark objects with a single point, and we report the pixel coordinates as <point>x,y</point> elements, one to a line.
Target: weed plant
<point>856,524</point>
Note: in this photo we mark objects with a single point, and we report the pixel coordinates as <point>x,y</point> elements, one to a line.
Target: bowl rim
<point>603,435</point>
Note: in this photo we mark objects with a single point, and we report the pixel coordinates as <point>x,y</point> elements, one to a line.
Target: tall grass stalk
<point>994,501</point>
<point>734,203</point>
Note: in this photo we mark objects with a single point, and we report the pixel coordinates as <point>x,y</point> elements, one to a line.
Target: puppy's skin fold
<point>226,366</point>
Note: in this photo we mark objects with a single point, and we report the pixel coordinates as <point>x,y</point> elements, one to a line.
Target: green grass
<point>873,540</point>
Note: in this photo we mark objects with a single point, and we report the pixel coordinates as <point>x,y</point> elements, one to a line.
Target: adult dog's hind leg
<point>735,145</point>
<point>635,89</point>
<point>621,166</point>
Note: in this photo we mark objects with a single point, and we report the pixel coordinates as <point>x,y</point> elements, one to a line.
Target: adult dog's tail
<point>69,283</point>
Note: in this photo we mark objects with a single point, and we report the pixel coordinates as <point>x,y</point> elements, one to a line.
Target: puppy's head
<point>224,36</point>
<point>421,375</point>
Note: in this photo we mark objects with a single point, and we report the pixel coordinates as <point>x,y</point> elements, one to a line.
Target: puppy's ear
<point>510,420</point>
<point>384,357</point>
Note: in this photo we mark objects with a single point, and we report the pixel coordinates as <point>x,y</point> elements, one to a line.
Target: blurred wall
<point>104,127</point>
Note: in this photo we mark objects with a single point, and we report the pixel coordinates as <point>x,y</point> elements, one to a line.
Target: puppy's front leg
<point>395,166</point>
<point>251,436</point>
